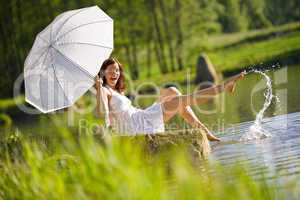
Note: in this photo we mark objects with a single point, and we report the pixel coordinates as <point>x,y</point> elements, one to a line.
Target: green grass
<point>254,53</point>
<point>230,52</point>
<point>220,41</point>
<point>9,103</point>
<point>90,167</point>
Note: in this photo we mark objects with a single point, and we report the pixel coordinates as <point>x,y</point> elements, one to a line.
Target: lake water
<point>277,156</point>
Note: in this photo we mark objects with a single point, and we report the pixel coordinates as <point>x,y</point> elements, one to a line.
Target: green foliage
<point>281,11</point>
<point>139,44</point>
<point>234,17</point>
<point>7,103</point>
<point>257,15</point>
<point>236,51</point>
<point>5,121</point>
<point>118,169</point>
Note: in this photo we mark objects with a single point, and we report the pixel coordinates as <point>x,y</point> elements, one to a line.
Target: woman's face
<point>112,74</point>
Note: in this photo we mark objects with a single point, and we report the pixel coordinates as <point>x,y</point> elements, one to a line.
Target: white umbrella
<point>66,56</point>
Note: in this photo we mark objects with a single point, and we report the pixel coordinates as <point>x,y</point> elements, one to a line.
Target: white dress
<point>129,120</point>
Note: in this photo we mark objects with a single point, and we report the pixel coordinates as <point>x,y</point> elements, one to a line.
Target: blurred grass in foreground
<point>86,166</point>
<point>8,103</point>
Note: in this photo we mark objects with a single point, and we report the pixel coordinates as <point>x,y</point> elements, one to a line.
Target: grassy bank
<point>112,168</point>
<point>254,53</point>
<point>233,52</point>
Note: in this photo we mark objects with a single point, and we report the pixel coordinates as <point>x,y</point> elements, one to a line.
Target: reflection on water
<point>277,156</point>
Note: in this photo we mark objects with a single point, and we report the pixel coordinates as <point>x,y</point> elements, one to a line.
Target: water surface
<point>278,156</point>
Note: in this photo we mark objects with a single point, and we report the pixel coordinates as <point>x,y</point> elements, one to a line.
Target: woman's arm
<point>102,100</point>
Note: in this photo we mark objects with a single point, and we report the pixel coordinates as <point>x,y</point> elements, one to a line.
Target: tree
<point>165,20</point>
<point>234,17</point>
<point>179,39</point>
<point>281,11</point>
<point>159,41</point>
<point>256,12</point>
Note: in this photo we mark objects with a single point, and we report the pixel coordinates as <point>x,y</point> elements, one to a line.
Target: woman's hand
<point>230,84</point>
<point>98,82</point>
<point>102,102</point>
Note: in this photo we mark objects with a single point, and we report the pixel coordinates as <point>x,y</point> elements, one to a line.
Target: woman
<point>119,112</point>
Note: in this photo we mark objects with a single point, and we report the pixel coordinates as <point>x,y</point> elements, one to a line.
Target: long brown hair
<point>120,85</point>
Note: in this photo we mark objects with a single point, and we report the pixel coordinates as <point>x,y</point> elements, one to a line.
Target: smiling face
<point>112,74</point>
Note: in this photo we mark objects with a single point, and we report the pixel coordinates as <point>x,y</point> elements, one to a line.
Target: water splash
<point>256,131</point>
<point>263,68</point>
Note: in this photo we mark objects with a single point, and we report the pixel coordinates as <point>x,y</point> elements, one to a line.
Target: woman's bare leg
<point>185,112</point>
<point>174,105</point>
<point>181,103</point>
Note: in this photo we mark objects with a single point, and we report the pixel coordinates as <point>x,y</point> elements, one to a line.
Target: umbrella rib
<point>46,50</point>
<point>51,32</point>
<point>59,83</point>
<point>59,29</point>
<point>55,20</point>
<point>77,65</point>
<point>42,104</point>
<point>85,43</point>
<point>42,39</point>
<point>95,22</point>
<point>43,60</point>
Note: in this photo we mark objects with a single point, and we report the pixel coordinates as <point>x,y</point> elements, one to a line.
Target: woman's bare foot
<point>211,137</point>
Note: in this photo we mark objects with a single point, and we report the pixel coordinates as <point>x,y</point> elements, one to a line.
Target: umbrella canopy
<point>65,58</point>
